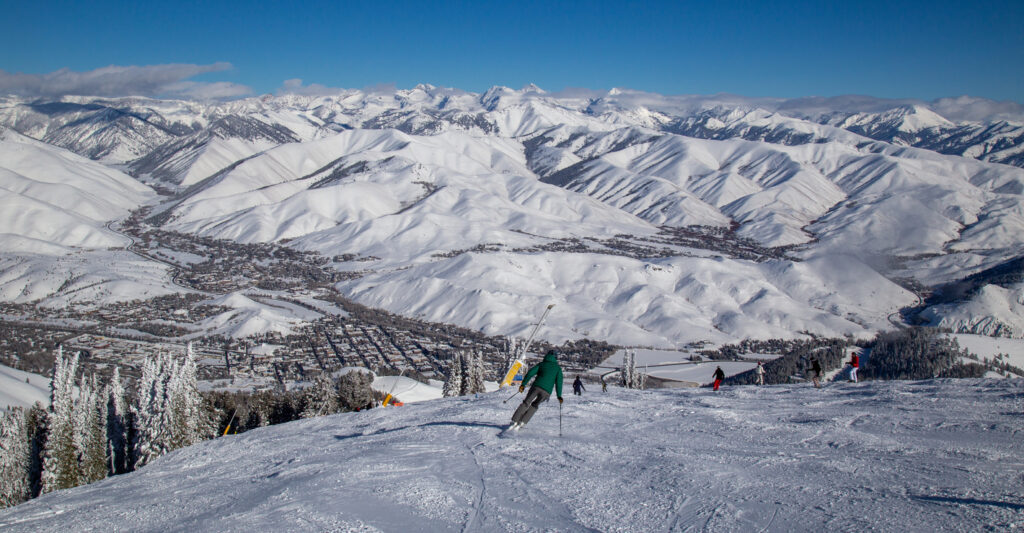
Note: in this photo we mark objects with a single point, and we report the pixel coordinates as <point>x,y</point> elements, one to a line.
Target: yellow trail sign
<point>512,371</point>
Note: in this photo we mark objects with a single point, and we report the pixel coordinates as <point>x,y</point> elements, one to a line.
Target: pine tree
<point>628,368</point>
<point>355,391</point>
<point>90,432</point>
<point>36,426</point>
<point>189,421</point>
<point>453,384</point>
<point>15,459</point>
<point>60,463</point>
<point>630,378</point>
<point>473,372</point>
<point>117,425</point>
<point>321,398</point>
<point>512,347</point>
<point>152,415</point>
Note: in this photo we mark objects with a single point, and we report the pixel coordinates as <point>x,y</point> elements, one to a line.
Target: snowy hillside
<point>887,456</point>
<point>22,389</point>
<point>51,198</point>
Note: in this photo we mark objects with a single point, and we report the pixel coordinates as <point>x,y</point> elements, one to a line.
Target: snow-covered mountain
<point>939,455</point>
<point>51,198</point>
<point>480,209</point>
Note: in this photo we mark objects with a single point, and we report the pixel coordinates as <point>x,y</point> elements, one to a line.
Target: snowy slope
<point>664,303</point>
<point>407,390</point>
<point>22,389</point>
<point>886,456</point>
<point>995,311</point>
<point>53,197</point>
<point>247,316</point>
<point>983,346</point>
<point>89,277</point>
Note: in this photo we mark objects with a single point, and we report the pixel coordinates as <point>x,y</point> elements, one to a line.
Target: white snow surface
<point>673,365</point>
<point>15,391</point>
<point>406,390</point>
<point>248,316</point>
<point>990,347</point>
<point>993,310</point>
<point>660,303</point>
<point>52,198</point>
<point>86,277</point>
<point>941,455</point>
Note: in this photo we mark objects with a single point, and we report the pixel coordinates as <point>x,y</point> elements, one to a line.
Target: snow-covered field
<point>982,346</point>
<point>942,455</point>
<point>407,390</point>
<point>22,389</point>
<point>675,365</point>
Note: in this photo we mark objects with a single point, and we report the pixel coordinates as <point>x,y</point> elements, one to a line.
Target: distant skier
<point>604,385</point>
<point>760,373</point>
<point>719,376</point>
<point>815,372</point>
<point>577,387</point>
<point>854,364</point>
<point>548,375</point>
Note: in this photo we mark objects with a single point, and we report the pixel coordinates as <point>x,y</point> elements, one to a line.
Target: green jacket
<point>548,373</point>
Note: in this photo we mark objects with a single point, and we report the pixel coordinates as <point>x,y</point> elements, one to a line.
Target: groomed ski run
<point>942,455</point>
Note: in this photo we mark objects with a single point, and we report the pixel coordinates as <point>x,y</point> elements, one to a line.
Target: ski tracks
<point>507,500</point>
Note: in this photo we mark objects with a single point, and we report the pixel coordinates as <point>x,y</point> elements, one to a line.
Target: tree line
<point>90,432</point>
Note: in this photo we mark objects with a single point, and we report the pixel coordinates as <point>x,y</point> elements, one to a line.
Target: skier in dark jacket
<point>815,372</point>
<point>719,376</point>
<point>548,375</point>
<point>577,387</point>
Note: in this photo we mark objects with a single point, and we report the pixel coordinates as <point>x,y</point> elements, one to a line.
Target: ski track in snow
<point>941,455</point>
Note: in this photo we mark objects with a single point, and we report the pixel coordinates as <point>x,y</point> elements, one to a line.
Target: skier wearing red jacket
<point>854,364</point>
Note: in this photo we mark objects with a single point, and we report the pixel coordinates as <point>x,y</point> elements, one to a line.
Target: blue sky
<point>786,49</point>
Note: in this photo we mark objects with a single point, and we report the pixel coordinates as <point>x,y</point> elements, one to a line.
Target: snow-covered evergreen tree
<point>117,425</point>
<point>512,347</point>
<point>189,420</point>
<point>90,432</point>
<point>453,383</point>
<point>36,426</point>
<point>15,459</point>
<point>151,413</point>
<point>321,398</point>
<point>630,378</point>
<point>60,462</point>
<point>473,372</point>
<point>628,366</point>
<point>355,391</point>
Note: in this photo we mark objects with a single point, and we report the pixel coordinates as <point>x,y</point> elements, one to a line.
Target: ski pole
<point>513,396</point>
<point>559,419</point>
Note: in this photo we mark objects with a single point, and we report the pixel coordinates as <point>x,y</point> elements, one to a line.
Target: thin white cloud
<point>971,108</point>
<point>295,86</point>
<point>146,80</point>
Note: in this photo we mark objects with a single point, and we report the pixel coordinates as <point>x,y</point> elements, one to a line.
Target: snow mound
<point>406,390</point>
<point>248,316</point>
<point>926,456</point>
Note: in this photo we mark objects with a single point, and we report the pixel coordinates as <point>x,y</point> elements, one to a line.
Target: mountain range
<point>650,220</point>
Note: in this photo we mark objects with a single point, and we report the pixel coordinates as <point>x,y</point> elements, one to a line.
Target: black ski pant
<point>533,399</point>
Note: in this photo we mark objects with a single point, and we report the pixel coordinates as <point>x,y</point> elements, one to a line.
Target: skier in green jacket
<point>548,374</point>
